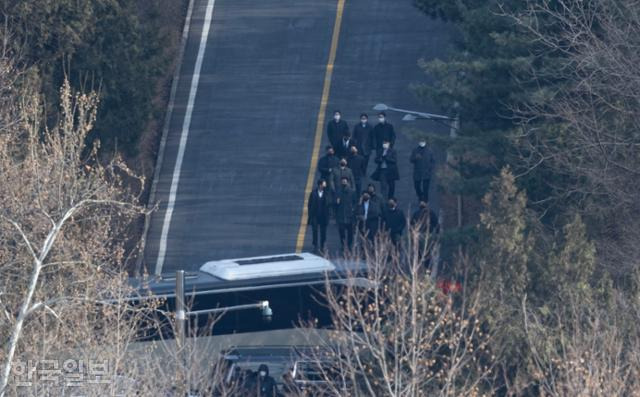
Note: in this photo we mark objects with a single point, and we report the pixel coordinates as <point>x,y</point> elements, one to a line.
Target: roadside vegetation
<point>122,50</point>
<point>548,94</point>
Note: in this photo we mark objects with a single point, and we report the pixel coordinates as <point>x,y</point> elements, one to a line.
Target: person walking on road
<point>383,132</point>
<point>345,213</point>
<point>266,385</point>
<point>363,134</point>
<point>422,160</point>
<point>344,149</point>
<point>375,198</point>
<point>358,166</point>
<point>327,164</point>
<point>336,129</point>
<point>341,172</point>
<point>425,222</point>
<point>394,221</point>
<point>387,171</point>
<point>318,214</point>
<point>368,215</point>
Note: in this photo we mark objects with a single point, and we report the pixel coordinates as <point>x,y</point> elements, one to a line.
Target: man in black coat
<point>344,148</point>
<point>318,212</point>
<point>266,385</point>
<point>327,164</point>
<point>368,213</point>
<point>425,222</point>
<point>375,198</point>
<point>383,131</point>
<point>422,160</point>
<point>387,171</point>
<point>358,166</point>
<point>336,129</point>
<point>345,213</point>
<point>425,219</point>
<point>394,221</point>
<point>363,134</point>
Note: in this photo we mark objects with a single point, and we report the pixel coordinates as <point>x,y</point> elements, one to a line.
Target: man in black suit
<point>387,171</point>
<point>336,129</point>
<point>327,164</point>
<point>422,160</point>
<point>394,221</point>
<point>345,212</point>
<point>424,219</point>
<point>363,134</point>
<point>425,222</point>
<point>358,166</point>
<point>368,215</point>
<point>383,132</point>
<point>318,214</point>
<point>346,142</point>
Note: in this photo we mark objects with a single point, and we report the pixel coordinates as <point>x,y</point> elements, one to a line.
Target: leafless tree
<point>60,242</point>
<point>66,303</point>
<point>589,139</point>
<point>586,350</point>
<point>399,335</point>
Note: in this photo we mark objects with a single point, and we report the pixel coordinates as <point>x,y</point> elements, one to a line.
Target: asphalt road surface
<point>238,157</point>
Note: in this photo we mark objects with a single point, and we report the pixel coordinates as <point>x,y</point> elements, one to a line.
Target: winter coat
<point>343,151</point>
<point>394,221</point>
<point>365,138</point>
<point>425,219</point>
<point>338,173</point>
<point>357,165</point>
<point>318,208</point>
<point>325,165</point>
<point>335,131</point>
<point>422,160</point>
<point>384,131</point>
<point>391,160</point>
<point>345,205</point>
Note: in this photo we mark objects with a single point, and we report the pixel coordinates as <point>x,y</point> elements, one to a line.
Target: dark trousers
<point>422,189</point>
<point>387,185</point>
<point>358,186</point>
<point>322,229</point>
<point>346,235</point>
<point>395,238</point>
<point>366,161</point>
<point>369,228</point>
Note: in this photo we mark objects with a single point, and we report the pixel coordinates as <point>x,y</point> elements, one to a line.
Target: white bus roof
<point>267,266</point>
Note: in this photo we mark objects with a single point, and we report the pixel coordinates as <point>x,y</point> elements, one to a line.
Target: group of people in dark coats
<point>343,169</point>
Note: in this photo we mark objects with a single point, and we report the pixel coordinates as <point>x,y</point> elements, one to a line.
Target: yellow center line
<point>320,124</point>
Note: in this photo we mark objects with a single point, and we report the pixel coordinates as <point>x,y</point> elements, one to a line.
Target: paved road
<point>251,133</point>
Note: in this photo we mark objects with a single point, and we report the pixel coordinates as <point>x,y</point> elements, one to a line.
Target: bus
<point>257,293</point>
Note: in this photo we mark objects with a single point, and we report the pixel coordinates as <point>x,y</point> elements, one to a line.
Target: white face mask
<point>381,119</point>
<point>364,122</point>
<point>263,373</point>
<point>336,117</point>
<point>385,146</point>
<point>422,144</point>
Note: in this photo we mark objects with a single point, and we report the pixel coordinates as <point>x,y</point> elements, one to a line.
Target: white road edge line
<point>151,202</point>
<point>162,250</point>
